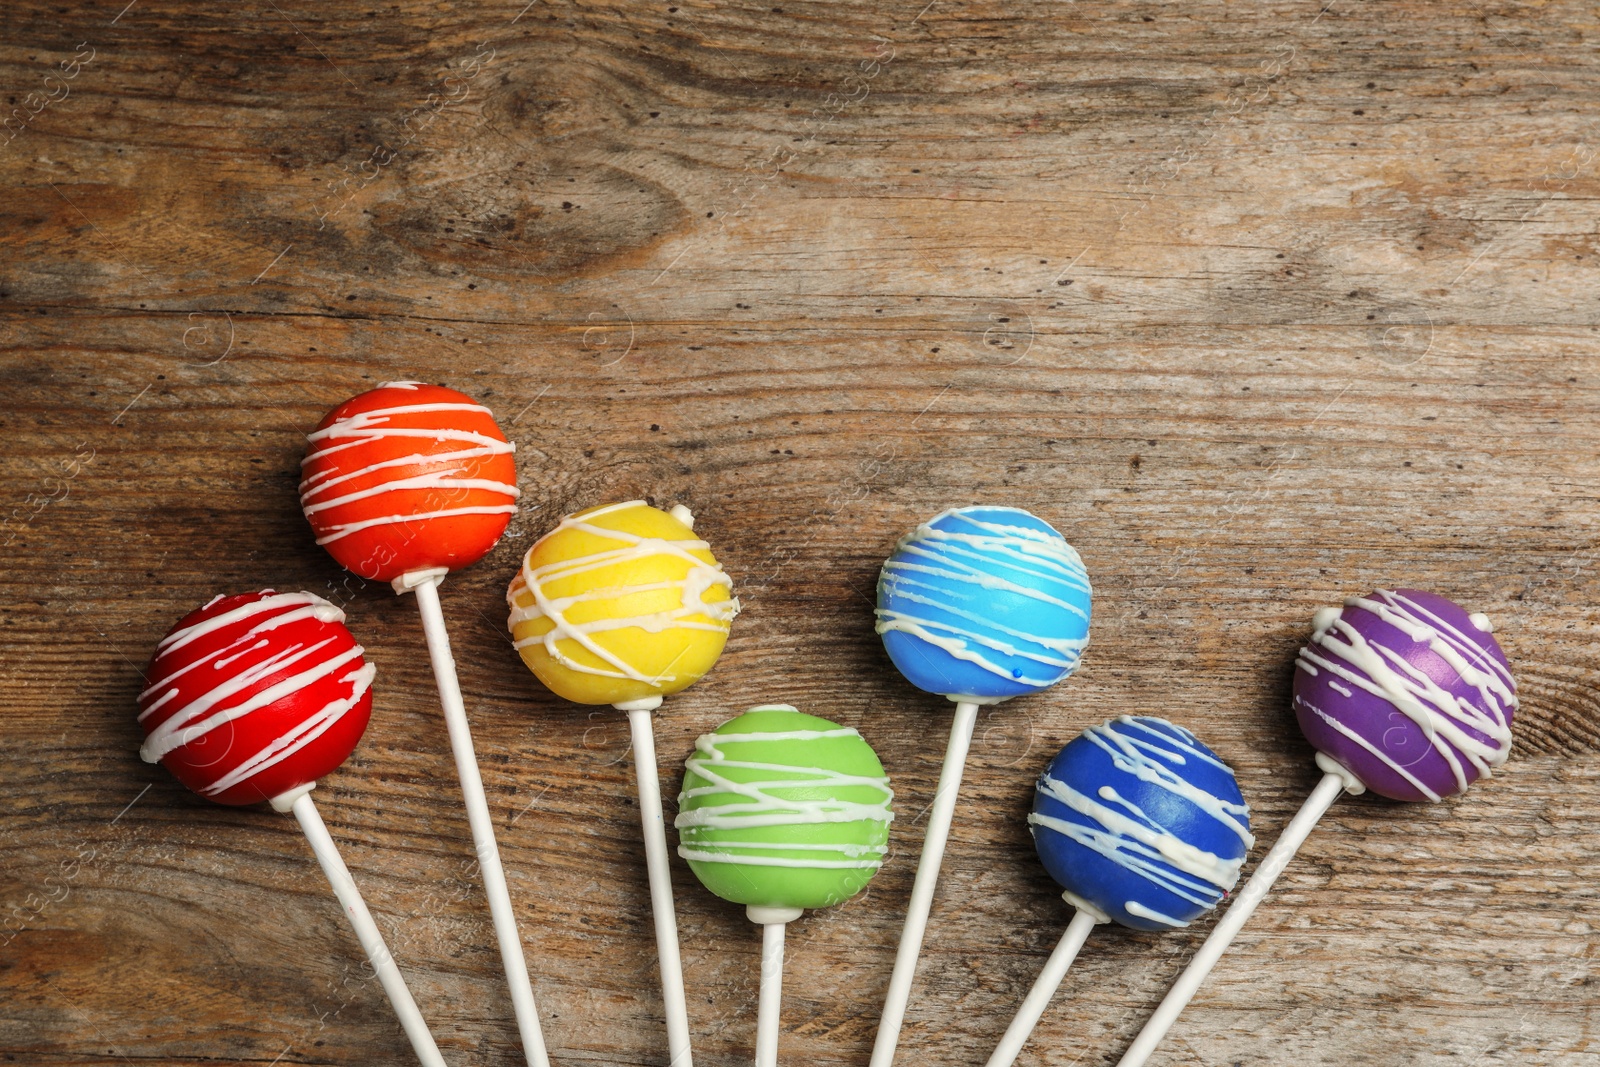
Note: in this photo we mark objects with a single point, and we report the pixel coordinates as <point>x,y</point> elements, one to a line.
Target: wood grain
<point>1262,306</point>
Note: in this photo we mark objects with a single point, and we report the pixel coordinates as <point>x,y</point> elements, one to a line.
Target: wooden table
<point>1262,305</point>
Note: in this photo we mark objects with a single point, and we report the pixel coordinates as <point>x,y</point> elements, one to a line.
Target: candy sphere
<point>254,695</point>
<point>621,604</point>
<point>982,604</point>
<point>783,810</point>
<point>1142,822</point>
<point>408,477</point>
<point>1408,692</point>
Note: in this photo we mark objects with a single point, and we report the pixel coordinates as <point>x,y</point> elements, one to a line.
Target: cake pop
<point>404,484</point>
<point>623,605</point>
<point>1140,824</point>
<point>978,605</point>
<point>983,604</point>
<point>1401,692</point>
<point>1408,692</point>
<point>253,698</point>
<point>780,812</point>
<point>408,477</point>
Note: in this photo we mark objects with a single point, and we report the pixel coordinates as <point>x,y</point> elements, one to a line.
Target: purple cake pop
<point>1406,691</point>
<point>1402,693</point>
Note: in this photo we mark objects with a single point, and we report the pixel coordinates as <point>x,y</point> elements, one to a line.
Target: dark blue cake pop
<point>1140,821</point>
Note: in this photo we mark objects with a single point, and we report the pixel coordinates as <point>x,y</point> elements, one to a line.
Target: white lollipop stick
<point>425,583</point>
<point>654,825</point>
<point>772,922</point>
<point>355,909</point>
<point>1044,987</point>
<point>1335,780</point>
<point>939,817</point>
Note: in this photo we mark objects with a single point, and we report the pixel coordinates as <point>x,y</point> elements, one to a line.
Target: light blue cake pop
<point>1141,821</point>
<point>982,604</point>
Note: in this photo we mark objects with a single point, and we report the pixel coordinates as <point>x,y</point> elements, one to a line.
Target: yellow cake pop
<point>621,604</point>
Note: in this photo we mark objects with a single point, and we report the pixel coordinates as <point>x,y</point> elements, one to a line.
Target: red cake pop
<point>255,695</point>
<point>404,484</point>
<point>406,477</point>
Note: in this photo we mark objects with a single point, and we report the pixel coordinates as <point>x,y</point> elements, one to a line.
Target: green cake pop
<point>782,811</point>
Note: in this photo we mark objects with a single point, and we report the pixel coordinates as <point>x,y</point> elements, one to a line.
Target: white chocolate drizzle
<point>764,803</point>
<point>1445,718</point>
<point>449,470</point>
<point>927,558</point>
<point>219,705</point>
<point>1136,841</point>
<point>713,615</point>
